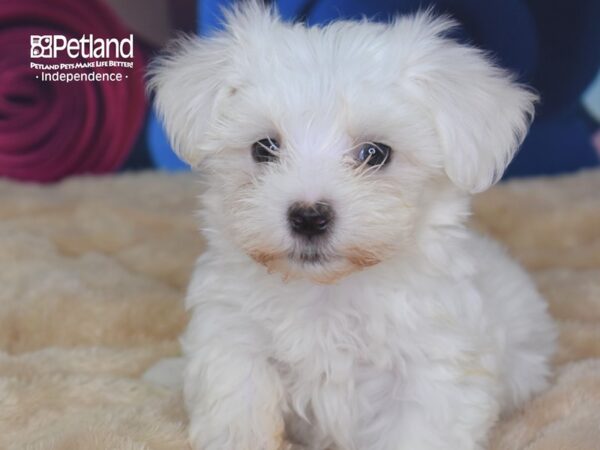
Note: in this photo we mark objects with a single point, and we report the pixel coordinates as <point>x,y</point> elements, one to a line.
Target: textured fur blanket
<point>93,271</point>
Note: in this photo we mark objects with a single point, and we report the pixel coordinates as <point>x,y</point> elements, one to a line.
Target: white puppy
<point>341,301</point>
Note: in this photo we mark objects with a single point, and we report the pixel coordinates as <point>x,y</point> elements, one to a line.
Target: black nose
<point>310,220</point>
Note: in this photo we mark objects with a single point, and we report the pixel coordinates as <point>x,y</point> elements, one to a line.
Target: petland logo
<point>81,59</point>
<point>51,46</point>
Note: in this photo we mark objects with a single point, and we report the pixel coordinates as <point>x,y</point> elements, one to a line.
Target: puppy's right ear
<point>187,81</point>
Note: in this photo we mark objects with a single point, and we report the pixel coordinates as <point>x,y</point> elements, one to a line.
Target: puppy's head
<point>328,150</point>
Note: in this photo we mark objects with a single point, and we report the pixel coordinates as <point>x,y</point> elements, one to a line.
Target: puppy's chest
<point>329,341</point>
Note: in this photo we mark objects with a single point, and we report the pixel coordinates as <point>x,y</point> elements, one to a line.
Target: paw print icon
<point>40,46</point>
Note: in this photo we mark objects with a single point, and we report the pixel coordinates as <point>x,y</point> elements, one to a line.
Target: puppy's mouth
<point>309,256</point>
<point>319,264</point>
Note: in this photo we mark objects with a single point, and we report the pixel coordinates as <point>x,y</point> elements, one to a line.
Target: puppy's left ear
<point>481,114</point>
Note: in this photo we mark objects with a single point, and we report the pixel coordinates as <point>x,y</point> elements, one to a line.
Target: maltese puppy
<point>341,302</point>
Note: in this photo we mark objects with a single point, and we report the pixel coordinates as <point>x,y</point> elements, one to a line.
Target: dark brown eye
<point>265,150</point>
<point>374,154</point>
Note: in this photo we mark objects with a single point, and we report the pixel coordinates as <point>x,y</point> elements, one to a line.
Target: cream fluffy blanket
<point>92,274</point>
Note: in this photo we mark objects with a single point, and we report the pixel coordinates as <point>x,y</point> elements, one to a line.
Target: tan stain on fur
<point>362,258</point>
<point>354,260</point>
<point>263,258</point>
<point>279,437</point>
<point>332,276</point>
<point>93,271</point>
<point>275,264</point>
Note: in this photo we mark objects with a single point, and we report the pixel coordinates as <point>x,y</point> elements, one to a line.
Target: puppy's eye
<point>265,150</point>
<point>374,154</point>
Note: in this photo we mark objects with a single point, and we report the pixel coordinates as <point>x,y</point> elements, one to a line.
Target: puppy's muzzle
<point>310,220</point>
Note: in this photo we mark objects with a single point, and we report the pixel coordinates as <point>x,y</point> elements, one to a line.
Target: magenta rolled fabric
<point>49,130</point>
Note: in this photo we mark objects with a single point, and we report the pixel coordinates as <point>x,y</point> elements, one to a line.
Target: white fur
<point>414,333</point>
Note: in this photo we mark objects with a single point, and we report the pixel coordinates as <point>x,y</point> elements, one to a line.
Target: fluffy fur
<point>410,332</point>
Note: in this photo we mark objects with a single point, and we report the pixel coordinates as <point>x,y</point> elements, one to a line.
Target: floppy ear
<point>480,112</point>
<point>194,74</point>
<point>187,81</point>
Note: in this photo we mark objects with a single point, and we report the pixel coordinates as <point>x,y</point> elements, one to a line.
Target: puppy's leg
<point>233,394</point>
<point>440,408</point>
